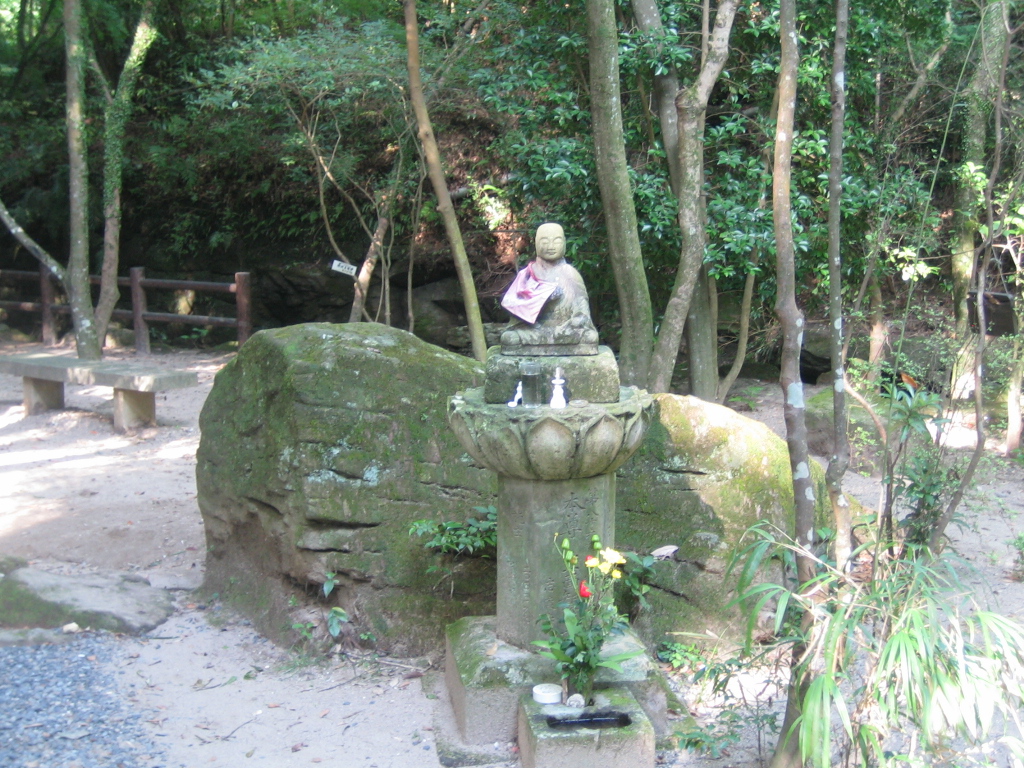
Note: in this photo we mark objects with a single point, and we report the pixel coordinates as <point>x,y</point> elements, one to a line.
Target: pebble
<point>60,707</point>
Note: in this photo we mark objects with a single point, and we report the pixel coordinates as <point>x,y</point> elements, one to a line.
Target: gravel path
<point>61,708</point>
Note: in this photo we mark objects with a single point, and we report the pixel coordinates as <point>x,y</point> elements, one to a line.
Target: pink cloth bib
<point>526,296</point>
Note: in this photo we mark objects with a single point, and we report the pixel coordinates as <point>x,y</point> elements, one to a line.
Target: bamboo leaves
<point>899,661</point>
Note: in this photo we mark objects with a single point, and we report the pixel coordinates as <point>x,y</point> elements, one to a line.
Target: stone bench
<point>135,386</point>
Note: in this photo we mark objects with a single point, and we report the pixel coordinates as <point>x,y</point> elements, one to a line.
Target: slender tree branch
<point>31,245</point>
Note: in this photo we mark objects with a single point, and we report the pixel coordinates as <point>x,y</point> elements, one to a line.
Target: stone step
<point>111,600</point>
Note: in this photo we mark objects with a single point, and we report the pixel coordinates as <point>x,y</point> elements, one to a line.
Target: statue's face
<point>550,242</point>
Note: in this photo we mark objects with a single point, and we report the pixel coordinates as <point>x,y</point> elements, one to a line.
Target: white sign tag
<point>345,269</point>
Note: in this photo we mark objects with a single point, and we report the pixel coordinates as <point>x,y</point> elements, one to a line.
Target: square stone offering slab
<point>486,677</point>
<point>594,378</point>
<point>550,736</point>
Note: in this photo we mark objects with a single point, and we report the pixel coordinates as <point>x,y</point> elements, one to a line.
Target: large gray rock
<point>321,444</point>
<point>704,476</point>
<point>865,444</point>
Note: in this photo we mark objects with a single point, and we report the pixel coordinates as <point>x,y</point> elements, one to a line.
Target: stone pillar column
<point>532,578</point>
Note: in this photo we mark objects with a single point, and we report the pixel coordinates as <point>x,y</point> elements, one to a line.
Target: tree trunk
<point>435,170</point>
<point>24,23</point>
<point>362,282</point>
<point>741,343</point>
<point>840,460</point>
<point>1013,388</point>
<point>635,311</point>
<point>702,340</point>
<point>879,336</point>
<point>994,59</point>
<point>787,754</point>
<point>790,316</point>
<point>1013,391</point>
<point>116,119</point>
<point>978,98</point>
<point>691,102</point>
<point>31,245</point>
<point>666,87</point>
<point>77,283</point>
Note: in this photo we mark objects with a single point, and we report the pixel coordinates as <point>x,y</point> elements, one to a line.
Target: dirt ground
<point>76,496</point>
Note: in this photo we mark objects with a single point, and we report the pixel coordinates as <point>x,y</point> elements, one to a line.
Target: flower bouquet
<point>589,621</point>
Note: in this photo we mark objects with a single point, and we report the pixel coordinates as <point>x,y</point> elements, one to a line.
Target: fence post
<point>243,306</point>
<point>46,299</point>
<point>137,275</point>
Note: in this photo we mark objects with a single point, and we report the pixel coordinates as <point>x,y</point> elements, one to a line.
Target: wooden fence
<point>139,314</point>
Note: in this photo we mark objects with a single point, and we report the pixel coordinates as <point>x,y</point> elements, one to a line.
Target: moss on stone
<point>20,608</point>
<point>705,475</point>
<point>10,563</point>
<point>322,443</point>
<point>23,607</point>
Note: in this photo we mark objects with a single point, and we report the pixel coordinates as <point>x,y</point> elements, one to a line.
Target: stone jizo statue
<point>550,304</point>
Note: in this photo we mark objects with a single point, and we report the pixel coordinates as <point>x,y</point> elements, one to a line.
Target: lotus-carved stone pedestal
<point>556,475</point>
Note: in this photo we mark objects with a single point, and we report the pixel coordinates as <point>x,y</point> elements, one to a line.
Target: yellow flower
<point>616,574</point>
<point>605,567</point>
<point>591,561</point>
<point>613,557</point>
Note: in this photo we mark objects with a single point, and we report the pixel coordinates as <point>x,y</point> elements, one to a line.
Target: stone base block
<point>452,751</point>
<point>594,378</point>
<point>486,678</point>
<point>542,745</point>
<point>42,395</point>
<point>133,409</point>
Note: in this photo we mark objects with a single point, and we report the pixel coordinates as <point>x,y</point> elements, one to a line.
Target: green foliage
<point>305,630</point>
<point>912,410</point>
<point>336,89</point>
<point>900,649</point>
<point>921,476</point>
<point>336,618</point>
<point>1017,542</point>
<point>333,619</point>
<point>244,187</point>
<point>478,536</point>
<point>532,77</point>
<point>637,573</point>
<point>679,655</point>
<point>745,397</point>
<point>714,738</point>
<point>589,621</point>
<point>330,582</point>
<point>716,680</point>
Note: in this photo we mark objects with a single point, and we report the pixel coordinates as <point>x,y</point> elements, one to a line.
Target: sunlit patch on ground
<point>23,510</point>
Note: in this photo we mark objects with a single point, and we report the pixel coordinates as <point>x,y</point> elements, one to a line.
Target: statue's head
<point>550,242</point>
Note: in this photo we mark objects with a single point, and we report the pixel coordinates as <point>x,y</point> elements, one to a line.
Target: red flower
<point>585,590</point>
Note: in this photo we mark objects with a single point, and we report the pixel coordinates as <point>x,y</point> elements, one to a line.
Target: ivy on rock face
<point>477,537</point>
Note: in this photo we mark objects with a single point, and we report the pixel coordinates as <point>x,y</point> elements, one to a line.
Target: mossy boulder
<point>704,476</point>
<point>321,444</point>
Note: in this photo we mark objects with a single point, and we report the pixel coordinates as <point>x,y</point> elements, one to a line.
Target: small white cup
<point>547,693</point>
